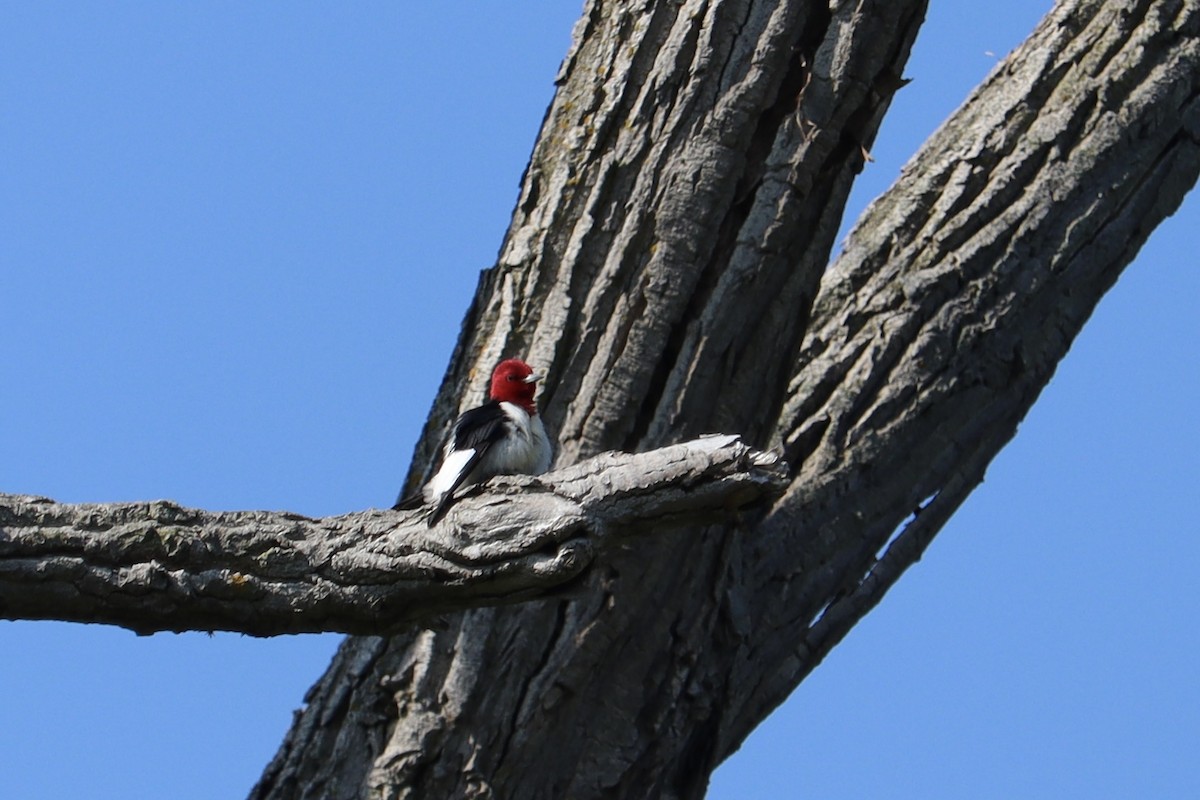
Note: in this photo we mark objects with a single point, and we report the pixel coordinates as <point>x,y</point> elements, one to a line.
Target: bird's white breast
<point>526,451</point>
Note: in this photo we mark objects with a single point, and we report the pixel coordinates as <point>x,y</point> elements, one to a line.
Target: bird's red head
<point>513,381</point>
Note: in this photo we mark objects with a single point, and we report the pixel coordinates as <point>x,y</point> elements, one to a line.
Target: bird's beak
<point>532,378</point>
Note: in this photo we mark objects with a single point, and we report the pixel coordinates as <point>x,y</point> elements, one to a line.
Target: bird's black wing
<point>480,427</point>
<point>410,502</point>
<point>477,430</point>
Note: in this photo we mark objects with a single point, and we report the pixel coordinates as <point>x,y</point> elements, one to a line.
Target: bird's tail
<point>439,511</point>
<point>417,500</point>
<point>414,500</point>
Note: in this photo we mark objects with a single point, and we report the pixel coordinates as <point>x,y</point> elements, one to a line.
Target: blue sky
<point>236,244</point>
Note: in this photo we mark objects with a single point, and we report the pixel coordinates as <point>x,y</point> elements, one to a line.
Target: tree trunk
<point>666,266</point>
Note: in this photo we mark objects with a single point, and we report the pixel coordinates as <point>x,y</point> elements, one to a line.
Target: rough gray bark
<point>156,566</point>
<point>666,265</point>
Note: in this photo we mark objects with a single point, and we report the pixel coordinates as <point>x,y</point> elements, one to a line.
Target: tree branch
<point>957,295</point>
<point>666,263</point>
<point>156,566</point>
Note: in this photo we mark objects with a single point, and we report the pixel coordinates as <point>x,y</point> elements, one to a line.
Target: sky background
<point>236,244</point>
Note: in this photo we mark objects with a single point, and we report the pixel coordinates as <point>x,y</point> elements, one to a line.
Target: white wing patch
<point>453,465</point>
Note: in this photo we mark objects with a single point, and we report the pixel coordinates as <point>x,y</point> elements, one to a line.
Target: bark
<point>159,567</point>
<point>666,264</point>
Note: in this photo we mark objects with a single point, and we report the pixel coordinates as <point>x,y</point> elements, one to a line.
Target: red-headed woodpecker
<point>504,436</point>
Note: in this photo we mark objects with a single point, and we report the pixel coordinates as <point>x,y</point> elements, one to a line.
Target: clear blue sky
<point>236,244</point>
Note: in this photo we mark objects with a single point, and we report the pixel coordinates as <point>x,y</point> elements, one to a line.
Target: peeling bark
<point>159,567</point>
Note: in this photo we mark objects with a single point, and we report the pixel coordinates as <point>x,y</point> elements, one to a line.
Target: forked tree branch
<point>667,266</point>
<point>157,566</point>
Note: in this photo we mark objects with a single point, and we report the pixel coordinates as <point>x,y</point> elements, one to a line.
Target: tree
<point>667,258</point>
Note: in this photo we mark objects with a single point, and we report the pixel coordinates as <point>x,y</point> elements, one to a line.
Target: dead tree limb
<point>157,566</point>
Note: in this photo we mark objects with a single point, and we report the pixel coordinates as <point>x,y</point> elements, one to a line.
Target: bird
<point>504,436</point>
